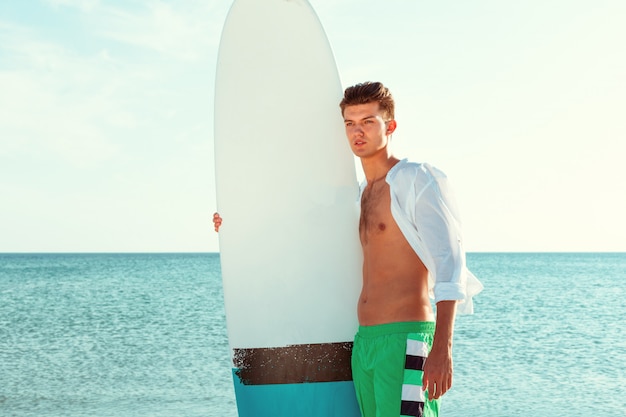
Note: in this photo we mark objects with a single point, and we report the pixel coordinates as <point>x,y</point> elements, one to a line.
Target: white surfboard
<point>287,191</point>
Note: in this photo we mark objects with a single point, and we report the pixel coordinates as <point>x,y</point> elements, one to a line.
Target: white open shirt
<point>425,210</point>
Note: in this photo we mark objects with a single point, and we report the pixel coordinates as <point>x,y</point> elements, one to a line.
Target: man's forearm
<point>444,325</point>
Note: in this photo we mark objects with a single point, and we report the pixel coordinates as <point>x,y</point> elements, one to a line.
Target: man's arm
<point>438,368</point>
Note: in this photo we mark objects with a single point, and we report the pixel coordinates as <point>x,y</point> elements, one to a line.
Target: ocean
<point>132,335</point>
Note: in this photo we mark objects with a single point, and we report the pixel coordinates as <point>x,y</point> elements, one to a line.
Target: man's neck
<point>377,167</point>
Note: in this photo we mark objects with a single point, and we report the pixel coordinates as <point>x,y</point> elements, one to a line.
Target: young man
<point>412,251</point>
<point>412,248</point>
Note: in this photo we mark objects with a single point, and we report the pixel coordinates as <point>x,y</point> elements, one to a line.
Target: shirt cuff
<point>449,291</point>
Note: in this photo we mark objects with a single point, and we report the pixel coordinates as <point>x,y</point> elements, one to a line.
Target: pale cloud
<point>39,121</point>
<point>84,5</point>
<point>57,102</point>
<point>180,33</point>
<point>182,30</point>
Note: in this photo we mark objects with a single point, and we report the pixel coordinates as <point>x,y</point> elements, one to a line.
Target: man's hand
<point>438,372</point>
<point>217,221</point>
<point>438,367</point>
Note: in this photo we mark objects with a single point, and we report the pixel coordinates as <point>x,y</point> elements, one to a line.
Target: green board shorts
<point>387,368</point>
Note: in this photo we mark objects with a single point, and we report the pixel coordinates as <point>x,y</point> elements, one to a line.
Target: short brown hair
<point>368,92</point>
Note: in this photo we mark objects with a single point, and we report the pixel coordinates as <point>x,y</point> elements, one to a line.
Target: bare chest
<point>376,219</point>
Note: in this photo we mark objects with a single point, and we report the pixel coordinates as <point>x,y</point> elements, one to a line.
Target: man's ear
<point>391,127</point>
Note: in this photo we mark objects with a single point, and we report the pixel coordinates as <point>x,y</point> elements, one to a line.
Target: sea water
<point>131,335</point>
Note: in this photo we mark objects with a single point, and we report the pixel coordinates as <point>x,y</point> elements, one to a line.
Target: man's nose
<point>357,130</point>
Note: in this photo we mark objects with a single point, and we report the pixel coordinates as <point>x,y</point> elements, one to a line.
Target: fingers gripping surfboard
<point>287,191</point>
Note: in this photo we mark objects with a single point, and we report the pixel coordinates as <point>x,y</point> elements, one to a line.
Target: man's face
<point>366,129</point>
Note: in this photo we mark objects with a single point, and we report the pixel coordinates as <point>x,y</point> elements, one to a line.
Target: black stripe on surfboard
<point>319,362</point>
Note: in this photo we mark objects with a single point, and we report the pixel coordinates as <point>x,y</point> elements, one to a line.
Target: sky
<point>106,117</point>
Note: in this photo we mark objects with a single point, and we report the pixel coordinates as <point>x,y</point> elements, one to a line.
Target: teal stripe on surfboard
<point>328,399</point>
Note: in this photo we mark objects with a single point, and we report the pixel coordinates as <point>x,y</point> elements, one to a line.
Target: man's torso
<point>395,281</point>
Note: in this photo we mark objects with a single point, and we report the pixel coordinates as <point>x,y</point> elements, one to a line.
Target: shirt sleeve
<point>438,224</point>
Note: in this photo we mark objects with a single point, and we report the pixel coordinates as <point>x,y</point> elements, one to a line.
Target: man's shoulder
<point>415,172</point>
